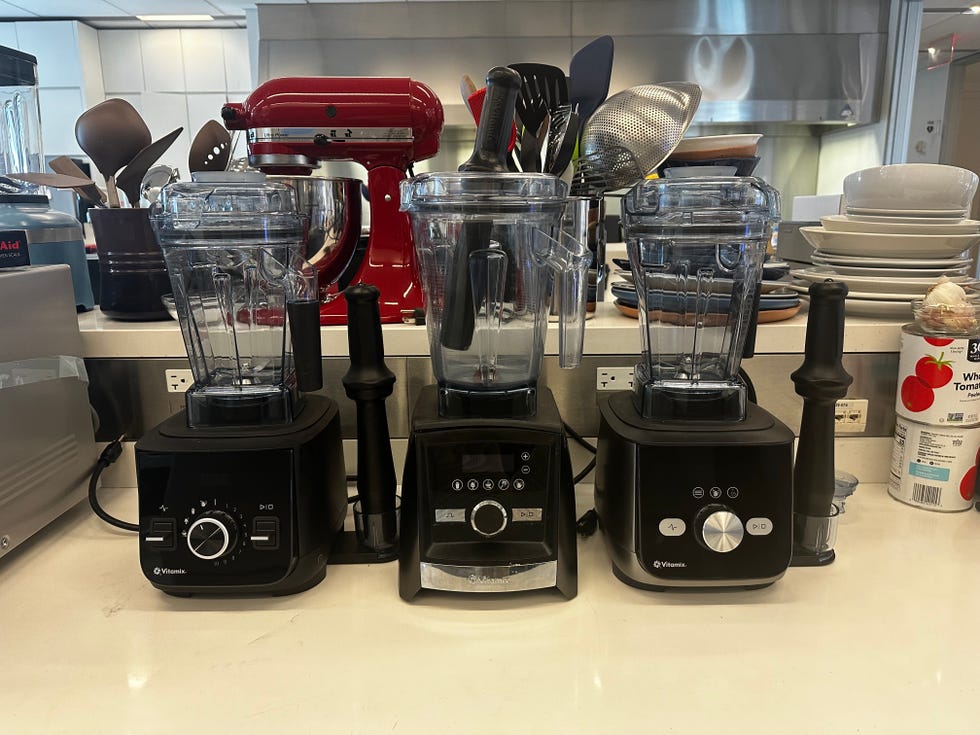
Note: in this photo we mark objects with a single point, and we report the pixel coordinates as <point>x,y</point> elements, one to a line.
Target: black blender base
<point>225,592</point>
<point>621,576</point>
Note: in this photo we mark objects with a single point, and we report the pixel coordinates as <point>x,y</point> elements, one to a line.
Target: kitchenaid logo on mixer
<point>158,571</point>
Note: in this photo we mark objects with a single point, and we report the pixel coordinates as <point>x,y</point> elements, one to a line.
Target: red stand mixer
<point>383,123</point>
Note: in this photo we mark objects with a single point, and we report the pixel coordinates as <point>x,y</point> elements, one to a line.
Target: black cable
<point>109,455</point>
<point>588,524</point>
<point>581,475</point>
<point>579,439</point>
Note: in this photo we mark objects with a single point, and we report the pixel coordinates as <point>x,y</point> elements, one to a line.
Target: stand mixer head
<point>383,123</point>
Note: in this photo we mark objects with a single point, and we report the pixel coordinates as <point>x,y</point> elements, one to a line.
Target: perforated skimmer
<point>632,133</point>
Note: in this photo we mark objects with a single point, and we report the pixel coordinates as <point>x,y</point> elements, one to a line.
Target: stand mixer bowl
<point>333,209</point>
<point>490,265</point>
<point>696,249</point>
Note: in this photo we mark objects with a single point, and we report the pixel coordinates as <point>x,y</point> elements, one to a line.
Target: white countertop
<point>883,640</point>
<point>608,332</point>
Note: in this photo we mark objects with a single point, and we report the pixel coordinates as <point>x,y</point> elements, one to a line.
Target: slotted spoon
<point>631,133</point>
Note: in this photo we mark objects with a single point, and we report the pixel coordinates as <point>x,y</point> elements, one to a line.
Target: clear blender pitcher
<point>492,256</point>
<point>696,249</point>
<point>244,295</point>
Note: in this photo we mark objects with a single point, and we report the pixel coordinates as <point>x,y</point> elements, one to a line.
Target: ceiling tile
<point>238,7</point>
<point>170,7</point>
<point>11,11</point>
<point>68,8</point>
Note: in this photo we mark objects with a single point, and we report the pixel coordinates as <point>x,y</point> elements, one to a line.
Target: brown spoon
<point>92,193</point>
<point>55,181</point>
<point>112,133</point>
<point>210,148</point>
<point>130,179</point>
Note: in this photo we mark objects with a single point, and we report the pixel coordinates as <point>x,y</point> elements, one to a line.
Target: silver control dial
<point>722,531</point>
<point>212,535</point>
<point>488,518</point>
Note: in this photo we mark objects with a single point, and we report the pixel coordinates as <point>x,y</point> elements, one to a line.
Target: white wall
<point>176,78</point>
<point>69,78</point>
<point>928,112</point>
<point>848,150</point>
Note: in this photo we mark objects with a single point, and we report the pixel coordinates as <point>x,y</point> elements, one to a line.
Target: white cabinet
<point>55,44</point>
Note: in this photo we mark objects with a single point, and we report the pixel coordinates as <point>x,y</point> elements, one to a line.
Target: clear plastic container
<point>232,245</point>
<point>696,248</point>
<point>491,256</point>
<point>20,122</point>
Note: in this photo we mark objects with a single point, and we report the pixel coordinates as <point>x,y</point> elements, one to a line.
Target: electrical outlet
<point>851,415</point>
<point>614,378</point>
<point>179,381</point>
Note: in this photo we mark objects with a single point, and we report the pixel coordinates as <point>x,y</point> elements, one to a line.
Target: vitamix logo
<point>669,564</point>
<point>158,571</point>
<point>483,579</point>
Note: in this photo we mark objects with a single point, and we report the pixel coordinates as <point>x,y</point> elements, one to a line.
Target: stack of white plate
<point>905,227</point>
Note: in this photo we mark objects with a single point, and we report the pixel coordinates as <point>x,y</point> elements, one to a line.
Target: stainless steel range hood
<point>759,61</point>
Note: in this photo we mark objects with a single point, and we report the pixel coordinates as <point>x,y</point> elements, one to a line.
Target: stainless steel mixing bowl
<point>333,206</point>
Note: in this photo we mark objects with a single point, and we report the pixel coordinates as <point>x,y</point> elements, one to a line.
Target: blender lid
<point>673,200</point>
<point>477,192</point>
<point>227,204</point>
<point>17,69</point>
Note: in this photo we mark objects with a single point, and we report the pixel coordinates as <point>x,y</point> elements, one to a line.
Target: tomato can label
<point>934,467</point>
<point>939,380</point>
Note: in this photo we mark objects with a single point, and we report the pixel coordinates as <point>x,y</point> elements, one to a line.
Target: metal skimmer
<point>633,132</point>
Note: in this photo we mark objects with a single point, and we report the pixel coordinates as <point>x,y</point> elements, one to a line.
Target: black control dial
<point>212,535</point>
<point>488,518</point>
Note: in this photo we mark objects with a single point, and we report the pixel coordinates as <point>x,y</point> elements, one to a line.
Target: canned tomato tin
<point>934,467</point>
<point>938,378</point>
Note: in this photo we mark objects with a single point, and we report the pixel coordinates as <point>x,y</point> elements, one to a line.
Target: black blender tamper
<point>822,381</point>
<point>368,383</point>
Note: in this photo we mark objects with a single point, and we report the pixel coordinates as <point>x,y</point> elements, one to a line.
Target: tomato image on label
<point>916,394</point>
<point>938,341</point>
<point>934,371</point>
<point>967,484</point>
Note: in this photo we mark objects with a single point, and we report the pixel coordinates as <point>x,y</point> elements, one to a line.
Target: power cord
<point>109,455</point>
<point>589,522</point>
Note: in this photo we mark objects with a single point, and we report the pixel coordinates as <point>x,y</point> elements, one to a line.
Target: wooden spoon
<point>55,181</point>
<point>130,179</point>
<point>112,133</point>
<point>210,148</point>
<point>91,193</point>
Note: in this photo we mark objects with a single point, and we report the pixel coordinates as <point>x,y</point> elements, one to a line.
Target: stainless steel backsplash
<point>130,395</point>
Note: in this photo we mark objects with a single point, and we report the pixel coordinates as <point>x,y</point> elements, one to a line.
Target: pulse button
<point>162,534</point>
<point>265,533</point>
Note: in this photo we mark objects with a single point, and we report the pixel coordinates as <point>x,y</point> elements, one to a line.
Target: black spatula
<point>589,75</point>
<point>539,82</point>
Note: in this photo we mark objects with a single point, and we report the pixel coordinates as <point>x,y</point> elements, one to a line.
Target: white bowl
<point>911,186</point>
<point>845,223</point>
<point>881,244</point>
<point>717,146</point>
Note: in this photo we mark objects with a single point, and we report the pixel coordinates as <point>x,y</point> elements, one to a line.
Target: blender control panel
<point>489,491</point>
<point>715,512</point>
<point>202,523</point>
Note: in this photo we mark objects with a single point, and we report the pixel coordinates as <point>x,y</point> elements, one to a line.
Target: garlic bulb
<point>946,308</point>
